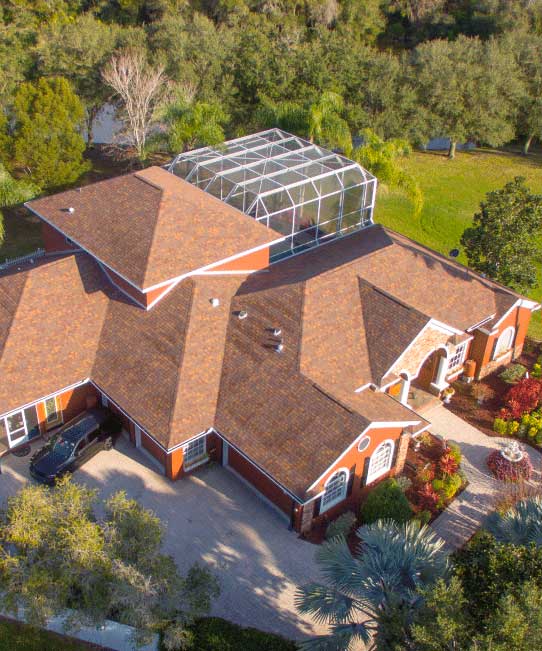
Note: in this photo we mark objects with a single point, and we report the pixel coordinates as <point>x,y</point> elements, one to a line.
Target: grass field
<point>452,193</point>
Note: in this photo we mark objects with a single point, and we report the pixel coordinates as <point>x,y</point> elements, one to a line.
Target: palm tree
<point>191,125</point>
<point>520,524</point>
<point>363,590</point>
<point>320,121</point>
<point>381,158</point>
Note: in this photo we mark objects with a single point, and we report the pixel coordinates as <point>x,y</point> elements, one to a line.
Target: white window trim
<point>10,434</point>
<point>339,498</point>
<point>362,440</point>
<point>200,458</point>
<point>510,332</point>
<point>462,350</point>
<point>371,475</point>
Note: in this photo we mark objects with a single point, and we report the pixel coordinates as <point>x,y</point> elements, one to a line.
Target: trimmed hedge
<point>215,634</point>
<point>386,500</point>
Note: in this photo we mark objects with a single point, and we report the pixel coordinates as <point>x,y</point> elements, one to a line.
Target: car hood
<point>46,462</point>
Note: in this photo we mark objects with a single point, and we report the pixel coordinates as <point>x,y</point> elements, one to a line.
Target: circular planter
<point>504,468</point>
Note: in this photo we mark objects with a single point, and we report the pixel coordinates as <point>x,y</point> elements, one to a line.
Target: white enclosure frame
<point>305,192</point>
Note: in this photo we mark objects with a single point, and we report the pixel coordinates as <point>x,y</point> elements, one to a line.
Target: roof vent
<point>71,209</point>
<point>276,332</point>
<point>279,348</point>
<point>215,302</point>
<point>242,314</point>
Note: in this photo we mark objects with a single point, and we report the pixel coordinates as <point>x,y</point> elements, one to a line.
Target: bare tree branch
<point>141,88</point>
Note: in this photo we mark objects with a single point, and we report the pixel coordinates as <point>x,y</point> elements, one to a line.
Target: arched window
<point>380,461</point>
<point>335,490</point>
<point>504,342</point>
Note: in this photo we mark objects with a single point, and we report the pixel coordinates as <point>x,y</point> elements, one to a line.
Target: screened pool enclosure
<point>306,193</point>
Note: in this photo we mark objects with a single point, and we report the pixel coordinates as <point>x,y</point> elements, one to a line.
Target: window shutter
<point>495,342</point>
<point>365,472</point>
<point>351,478</point>
<point>317,507</point>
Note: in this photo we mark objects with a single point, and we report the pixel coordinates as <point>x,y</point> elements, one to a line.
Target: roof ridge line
<point>484,280</point>
<point>393,298</point>
<point>181,358</point>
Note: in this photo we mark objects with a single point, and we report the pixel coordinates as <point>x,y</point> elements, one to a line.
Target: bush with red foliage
<point>522,398</point>
<point>509,470</point>
<point>427,498</point>
<point>447,464</point>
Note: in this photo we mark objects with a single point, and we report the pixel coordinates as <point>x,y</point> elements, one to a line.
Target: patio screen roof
<point>305,192</point>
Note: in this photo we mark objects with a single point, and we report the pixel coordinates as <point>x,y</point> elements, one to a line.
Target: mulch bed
<point>482,415</point>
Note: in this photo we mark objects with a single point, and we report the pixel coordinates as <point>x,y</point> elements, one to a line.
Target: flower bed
<point>506,470</point>
<point>505,403</point>
<point>433,468</point>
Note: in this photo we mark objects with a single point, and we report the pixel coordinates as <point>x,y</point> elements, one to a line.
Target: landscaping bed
<point>430,482</point>
<point>507,402</point>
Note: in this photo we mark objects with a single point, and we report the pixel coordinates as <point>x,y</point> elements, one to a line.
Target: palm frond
<point>520,525</point>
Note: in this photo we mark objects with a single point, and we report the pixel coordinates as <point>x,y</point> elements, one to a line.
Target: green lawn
<point>18,637</point>
<point>215,634</point>
<point>452,192</point>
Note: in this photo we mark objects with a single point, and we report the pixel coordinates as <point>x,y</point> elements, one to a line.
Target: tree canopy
<point>502,240</point>
<point>57,554</point>
<point>47,141</point>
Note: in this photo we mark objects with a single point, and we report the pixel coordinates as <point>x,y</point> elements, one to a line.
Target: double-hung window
<point>15,427</point>
<point>52,412</point>
<point>194,451</point>
<point>456,360</point>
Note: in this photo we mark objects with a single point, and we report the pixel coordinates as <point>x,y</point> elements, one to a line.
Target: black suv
<point>74,444</point>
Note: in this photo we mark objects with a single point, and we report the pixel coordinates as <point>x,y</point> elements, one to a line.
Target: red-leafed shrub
<point>447,464</point>
<point>509,470</point>
<point>522,398</point>
<point>427,498</point>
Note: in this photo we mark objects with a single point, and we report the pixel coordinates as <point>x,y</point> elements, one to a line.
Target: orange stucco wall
<point>262,483</point>
<point>53,240</point>
<point>357,462</point>
<point>483,345</point>
<point>252,261</point>
<point>151,446</point>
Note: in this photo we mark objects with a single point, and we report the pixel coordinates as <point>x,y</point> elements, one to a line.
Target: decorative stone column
<point>306,517</point>
<point>440,381</point>
<point>405,388</point>
<point>402,449</point>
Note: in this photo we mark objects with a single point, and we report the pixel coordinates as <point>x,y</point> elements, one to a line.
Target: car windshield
<point>61,446</point>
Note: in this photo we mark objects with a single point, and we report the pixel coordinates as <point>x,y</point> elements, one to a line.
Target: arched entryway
<point>432,374</point>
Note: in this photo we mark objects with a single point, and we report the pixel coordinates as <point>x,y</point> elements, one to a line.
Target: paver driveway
<point>212,517</point>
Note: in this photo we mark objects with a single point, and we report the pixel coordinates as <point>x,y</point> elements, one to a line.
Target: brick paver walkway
<point>467,513</point>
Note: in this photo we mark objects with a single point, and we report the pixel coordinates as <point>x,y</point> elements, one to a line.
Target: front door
<point>53,415</point>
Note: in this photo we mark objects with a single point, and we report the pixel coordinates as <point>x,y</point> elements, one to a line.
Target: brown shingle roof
<point>269,406</point>
<point>151,226</point>
<point>345,310</point>
<point>51,315</point>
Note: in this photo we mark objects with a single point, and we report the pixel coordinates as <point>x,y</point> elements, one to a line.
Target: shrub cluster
<point>509,470</point>
<point>523,398</point>
<point>529,426</point>
<point>438,481</point>
<point>513,373</point>
<point>386,500</point>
